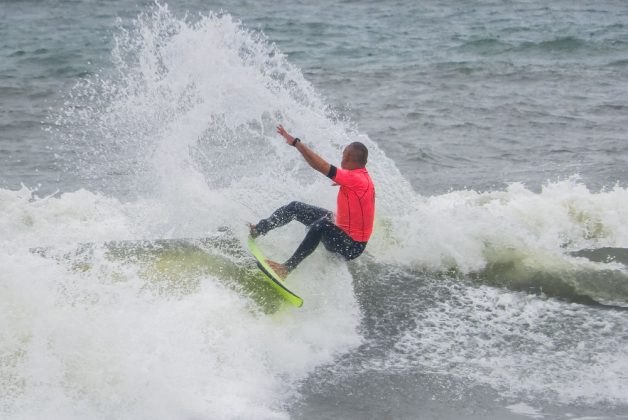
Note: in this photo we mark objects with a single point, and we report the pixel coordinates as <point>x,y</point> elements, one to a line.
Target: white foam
<point>462,229</point>
<point>99,343</point>
<point>526,410</point>
<point>521,345</point>
<point>185,128</point>
<point>188,126</point>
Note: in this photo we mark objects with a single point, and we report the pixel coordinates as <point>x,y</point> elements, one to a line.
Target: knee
<point>294,205</point>
<point>321,224</point>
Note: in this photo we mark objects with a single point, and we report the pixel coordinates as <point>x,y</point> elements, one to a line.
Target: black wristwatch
<point>296,140</point>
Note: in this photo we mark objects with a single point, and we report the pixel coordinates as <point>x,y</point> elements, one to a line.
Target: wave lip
<point>516,238</point>
<point>556,275</point>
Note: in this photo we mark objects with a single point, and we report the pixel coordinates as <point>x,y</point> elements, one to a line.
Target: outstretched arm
<point>313,159</point>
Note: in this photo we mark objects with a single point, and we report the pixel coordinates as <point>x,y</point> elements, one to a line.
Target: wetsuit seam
<point>368,186</point>
<point>361,212</point>
<point>362,208</point>
<point>348,213</point>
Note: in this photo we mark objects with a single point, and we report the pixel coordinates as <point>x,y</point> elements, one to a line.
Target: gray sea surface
<point>465,97</point>
<point>459,95</point>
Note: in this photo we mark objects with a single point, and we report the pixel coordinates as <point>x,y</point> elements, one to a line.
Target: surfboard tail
<point>271,277</point>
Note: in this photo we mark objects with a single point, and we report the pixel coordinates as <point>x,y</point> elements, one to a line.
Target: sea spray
<point>515,238</point>
<point>99,338</point>
<point>178,141</point>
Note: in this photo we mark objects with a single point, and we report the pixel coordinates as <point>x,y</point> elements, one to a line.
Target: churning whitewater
<point>176,143</point>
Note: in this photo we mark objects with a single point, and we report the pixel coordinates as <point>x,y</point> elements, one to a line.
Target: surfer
<point>349,232</point>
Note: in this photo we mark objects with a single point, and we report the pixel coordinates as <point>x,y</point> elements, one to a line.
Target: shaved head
<point>358,153</point>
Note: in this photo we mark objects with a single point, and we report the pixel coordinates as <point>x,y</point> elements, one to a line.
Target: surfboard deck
<point>271,277</point>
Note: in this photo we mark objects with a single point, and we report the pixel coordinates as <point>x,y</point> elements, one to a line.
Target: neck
<point>354,166</point>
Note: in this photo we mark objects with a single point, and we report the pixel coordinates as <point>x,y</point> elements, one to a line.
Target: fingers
<point>283,132</point>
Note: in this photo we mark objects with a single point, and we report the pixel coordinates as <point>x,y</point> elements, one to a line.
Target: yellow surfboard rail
<point>271,277</point>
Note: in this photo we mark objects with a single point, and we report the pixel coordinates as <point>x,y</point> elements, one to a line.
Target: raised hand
<point>289,139</point>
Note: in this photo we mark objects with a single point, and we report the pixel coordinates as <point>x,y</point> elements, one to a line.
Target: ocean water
<point>137,139</point>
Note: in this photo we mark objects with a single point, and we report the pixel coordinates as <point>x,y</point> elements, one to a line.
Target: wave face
<point>515,238</point>
<point>178,141</point>
<point>105,337</point>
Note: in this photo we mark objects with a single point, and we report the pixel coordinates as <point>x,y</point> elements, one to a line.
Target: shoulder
<point>353,177</point>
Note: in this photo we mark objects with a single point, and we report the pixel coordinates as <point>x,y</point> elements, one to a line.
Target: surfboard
<point>271,277</point>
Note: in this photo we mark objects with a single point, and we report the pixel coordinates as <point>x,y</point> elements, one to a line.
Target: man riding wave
<point>350,230</point>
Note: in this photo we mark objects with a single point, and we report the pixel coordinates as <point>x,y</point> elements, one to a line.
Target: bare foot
<point>253,230</point>
<point>280,269</point>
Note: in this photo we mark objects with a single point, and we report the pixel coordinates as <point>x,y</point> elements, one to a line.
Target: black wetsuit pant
<point>321,228</point>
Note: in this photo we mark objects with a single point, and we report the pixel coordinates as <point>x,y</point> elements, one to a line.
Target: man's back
<point>356,203</point>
